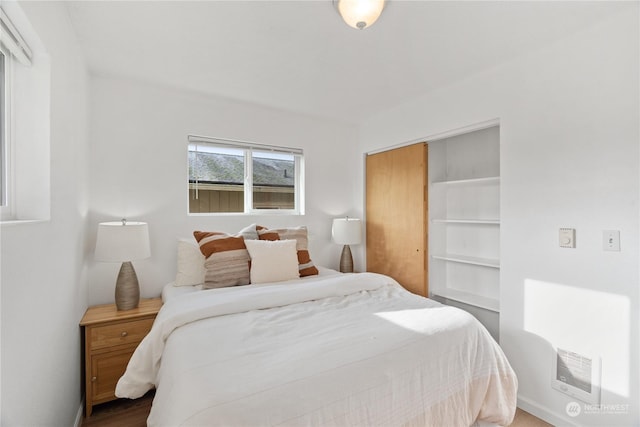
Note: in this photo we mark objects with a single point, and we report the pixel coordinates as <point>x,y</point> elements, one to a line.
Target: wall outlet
<point>611,240</point>
<point>567,237</point>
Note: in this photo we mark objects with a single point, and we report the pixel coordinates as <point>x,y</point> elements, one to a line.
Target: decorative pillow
<point>273,261</point>
<point>250,232</point>
<point>227,259</point>
<point>190,264</point>
<point>299,234</point>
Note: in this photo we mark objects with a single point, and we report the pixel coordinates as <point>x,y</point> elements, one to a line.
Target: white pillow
<point>190,264</point>
<point>272,260</point>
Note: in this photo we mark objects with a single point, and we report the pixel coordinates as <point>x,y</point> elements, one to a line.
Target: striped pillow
<point>227,259</point>
<point>299,234</point>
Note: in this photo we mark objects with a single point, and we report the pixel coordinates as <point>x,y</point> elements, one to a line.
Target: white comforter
<point>355,350</point>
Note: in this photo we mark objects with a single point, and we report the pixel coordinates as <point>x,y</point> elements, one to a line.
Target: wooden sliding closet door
<point>396,214</point>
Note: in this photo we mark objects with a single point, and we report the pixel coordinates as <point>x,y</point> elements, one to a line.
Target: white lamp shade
<point>346,231</point>
<point>360,14</point>
<point>118,242</point>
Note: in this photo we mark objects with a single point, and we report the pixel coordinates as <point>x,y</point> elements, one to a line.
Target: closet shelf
<point>484,180</point>
<point>463,259</point>
<point>487,303</point>
<point>467,221</point>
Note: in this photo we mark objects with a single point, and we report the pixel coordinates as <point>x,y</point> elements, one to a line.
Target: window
<point>4,164</point>
<point>238,177</point>
<point>24,119</point>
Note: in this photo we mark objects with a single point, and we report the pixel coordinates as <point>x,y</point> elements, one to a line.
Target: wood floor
<point>121,413</point>
<point>525,419</point>
<point>133,413</point>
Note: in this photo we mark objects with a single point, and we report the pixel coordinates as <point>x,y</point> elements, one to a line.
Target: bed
<point>333,349</point>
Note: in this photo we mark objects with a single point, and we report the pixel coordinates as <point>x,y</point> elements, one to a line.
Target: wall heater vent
<point>577,375</point>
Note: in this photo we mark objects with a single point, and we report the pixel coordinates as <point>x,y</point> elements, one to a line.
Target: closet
<point>433,221</point>
<point>396,215</point>
<point>464,219</point>
<point>464,201</point>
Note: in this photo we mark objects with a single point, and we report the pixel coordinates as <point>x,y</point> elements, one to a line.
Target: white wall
<point>569,120</point>
<point>43,294</point>
<point>574,103</point>
<point>138,161</point>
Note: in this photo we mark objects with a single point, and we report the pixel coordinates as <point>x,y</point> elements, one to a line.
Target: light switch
<point>567,237</point>
<point>611,240</point>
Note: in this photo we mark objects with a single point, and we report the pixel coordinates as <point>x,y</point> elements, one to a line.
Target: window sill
<point>13,222</point>
<point>254,213</point>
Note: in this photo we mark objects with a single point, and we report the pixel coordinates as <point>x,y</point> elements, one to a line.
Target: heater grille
<point>577,375</point>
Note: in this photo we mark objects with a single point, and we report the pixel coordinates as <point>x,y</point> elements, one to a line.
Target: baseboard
<point>544,413</point>
<point>79,417</point>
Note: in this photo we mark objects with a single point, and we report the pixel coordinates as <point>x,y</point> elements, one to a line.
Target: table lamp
<point>346,231</point>
<point>123,241</point>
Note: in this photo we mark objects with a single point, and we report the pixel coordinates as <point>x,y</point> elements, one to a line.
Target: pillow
<point>191,270</point>
<point>190,264</point>
<point>273,261</point>
<point>250,232</point>
<point>227,259</point>
<point>299,234</point>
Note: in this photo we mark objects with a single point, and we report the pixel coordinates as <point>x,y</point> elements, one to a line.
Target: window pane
<point>216,179</point>
<point>274,178</point>
<point>243,177</point>
<point>3,140</point>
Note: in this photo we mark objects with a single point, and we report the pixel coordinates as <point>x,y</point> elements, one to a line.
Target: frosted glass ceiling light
<point>360,14</point>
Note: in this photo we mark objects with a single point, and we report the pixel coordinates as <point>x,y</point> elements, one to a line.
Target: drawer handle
<point>93,379</point>
<point>124,334</point>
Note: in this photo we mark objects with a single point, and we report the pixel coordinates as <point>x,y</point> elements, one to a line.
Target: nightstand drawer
<point>129,332</point>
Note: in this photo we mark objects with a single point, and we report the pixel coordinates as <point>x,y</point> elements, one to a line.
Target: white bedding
<point>171,290</point>
<point>353,349</point>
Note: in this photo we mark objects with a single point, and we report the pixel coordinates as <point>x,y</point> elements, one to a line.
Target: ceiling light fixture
<point>360,14</point>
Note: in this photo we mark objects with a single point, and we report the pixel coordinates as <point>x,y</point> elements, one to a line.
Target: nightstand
<point>110,337</point>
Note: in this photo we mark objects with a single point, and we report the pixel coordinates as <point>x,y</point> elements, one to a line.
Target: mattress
<point>354,349</point>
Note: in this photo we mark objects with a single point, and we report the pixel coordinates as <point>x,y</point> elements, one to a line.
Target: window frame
<point>248,148</point>
<point>28,128</point>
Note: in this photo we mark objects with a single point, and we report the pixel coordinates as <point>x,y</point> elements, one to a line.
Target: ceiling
<point>300,56</point>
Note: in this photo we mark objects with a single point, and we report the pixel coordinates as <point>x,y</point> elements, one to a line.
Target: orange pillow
<point>226,259</point>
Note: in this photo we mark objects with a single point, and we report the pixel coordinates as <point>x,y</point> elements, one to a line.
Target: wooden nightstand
<point>110,337</point>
